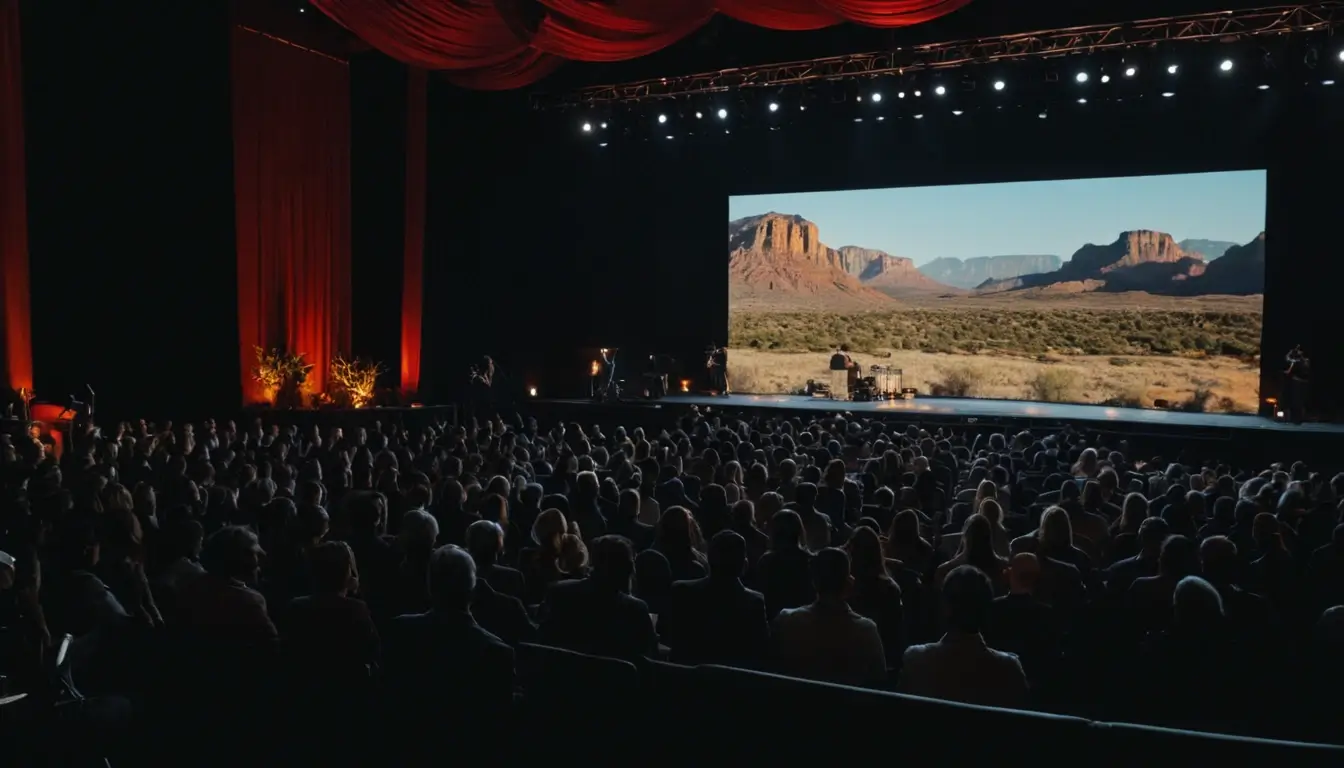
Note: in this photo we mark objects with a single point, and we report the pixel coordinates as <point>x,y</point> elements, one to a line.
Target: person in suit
<point>827,640</point>
<point>597,615</point>
<point>716,620</point>
<point>1023,625</point>
<point>501,613</point>
<point>960,666</point>
<point>625,521</point>
<point>431,655</point>
<point>329,630</point>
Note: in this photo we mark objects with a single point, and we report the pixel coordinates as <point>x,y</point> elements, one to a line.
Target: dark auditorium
<point>377,390</point>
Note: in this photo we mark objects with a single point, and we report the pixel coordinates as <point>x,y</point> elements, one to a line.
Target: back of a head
<point>830,572</point>
<point>613,562</point>
<point>727,555</point>
<point>1196,603</point>
<point>419,530</point>
<point>452,578</point>
<point>1179,557</point>
<point>786,530</point>
<point>1152,532</point>
<point>1024,571</point>
<point>333,567</point>
<point>967,596</point>
<point>225,553</point>
<point>805,495</point>
<point>485,540</point>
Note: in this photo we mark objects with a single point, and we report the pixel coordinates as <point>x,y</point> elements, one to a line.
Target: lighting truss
<point>1223,26</point>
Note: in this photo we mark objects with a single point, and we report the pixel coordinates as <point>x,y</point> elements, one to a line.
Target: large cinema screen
<point>1118,291</point>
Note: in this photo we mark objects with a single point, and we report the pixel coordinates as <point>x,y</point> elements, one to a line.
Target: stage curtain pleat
<point>500,44</point>
<point>413,260</point>
<point>16,315</point>
<point>291,124</point>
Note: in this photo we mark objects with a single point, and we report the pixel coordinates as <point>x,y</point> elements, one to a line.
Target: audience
<point>1058,571</point>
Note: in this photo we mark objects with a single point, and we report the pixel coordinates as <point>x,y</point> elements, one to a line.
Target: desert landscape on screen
<point>1134,319</point>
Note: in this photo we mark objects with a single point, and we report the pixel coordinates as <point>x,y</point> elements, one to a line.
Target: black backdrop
<point>542,244</point>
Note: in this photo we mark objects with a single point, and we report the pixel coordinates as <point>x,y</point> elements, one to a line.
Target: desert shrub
<point>1055,385</point>
<point>1134,397</point>
<point>1121,362</point>
<point>747,378</point>
<point>1198,401</point>
<point>961,381</point>
<point>1228,405</point>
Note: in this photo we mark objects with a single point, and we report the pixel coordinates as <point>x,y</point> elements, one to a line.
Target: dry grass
<point>1134,381</point>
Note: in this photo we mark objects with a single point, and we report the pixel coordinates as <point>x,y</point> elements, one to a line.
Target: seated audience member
<point>625,522</point>
<point>1150,597</point>
<point>1022,625</point>
<point>1153,532</point>
<point>500,613</point>
<point>329,631</point>
<point>716,620</point>
<point>1187,681</point>
<point>223,605</point>
<point>485,544</point>
<point>597,614</point>
<point>827,640</point>
<point>875,594</point>
<point>784,572</point>
<point>960,667</point>
<point>457,674</point>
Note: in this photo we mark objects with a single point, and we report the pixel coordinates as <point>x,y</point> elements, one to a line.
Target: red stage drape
<point>499,44</point>
<point>17,330</point>
<point>291,134</point>
<point>413,259</point>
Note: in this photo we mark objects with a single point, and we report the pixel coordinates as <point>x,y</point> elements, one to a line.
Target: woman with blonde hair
<point>992,511</point>
<point>1088,464</point>
<point>540,564</point>
<point>1054,539</point>
<point>905,544</point>
<point>977,549</point>
<point>573,560</point>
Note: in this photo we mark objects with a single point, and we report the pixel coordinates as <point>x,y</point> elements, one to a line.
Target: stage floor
<point>924,408</point>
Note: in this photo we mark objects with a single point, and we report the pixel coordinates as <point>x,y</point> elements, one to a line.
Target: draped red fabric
<point>291,136</point>
<point>500,44</point>
<point>16,328</point>
<point>413,258</point>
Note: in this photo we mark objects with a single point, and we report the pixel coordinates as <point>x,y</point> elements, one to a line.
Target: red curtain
<point>413,258</point>
<point>16,332</point>
<point>499,44</point>
<point>291,133</point>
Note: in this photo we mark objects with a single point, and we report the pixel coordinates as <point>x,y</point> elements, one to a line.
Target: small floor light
<point>531,391</point>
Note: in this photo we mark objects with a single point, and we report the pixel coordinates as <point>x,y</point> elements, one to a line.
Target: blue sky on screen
<point>1030,217</point>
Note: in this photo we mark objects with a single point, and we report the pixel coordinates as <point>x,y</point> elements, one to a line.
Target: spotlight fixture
<point>723,114</point>
<point>1130,71</point>
<point>1105,78</point>
<point>669,136</point>
<point>1263,86</point>
<point>1226,66</point>
<point>940,90</point>
<point>917,94</point>
<point>603,126</point>
<point>802,107</point>
<point>1171,70</point>
<point>998,85</point>
<point>956,112</point>
<point>1167,94</point>
<point>603,144</point>
<point>698,115</point>
<point>1341,55</point>
<point>1082,101</point>
<point>1327,82</point>
<point>900,94</point>
<point>877,97</point>
<point>662,118</point>
<point>919,117</point>
<point>531,391</point>
<point>587,127</point>
<point>1041,115</point>
<point>1081,77</point>
<point>880,118</point>
<point>774,107</point>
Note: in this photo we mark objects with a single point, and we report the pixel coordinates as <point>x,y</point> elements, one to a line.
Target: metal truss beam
<point>1223,26</point>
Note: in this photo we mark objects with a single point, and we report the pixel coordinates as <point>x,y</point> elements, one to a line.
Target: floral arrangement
<point>280,372</point>
<point>354,381</point>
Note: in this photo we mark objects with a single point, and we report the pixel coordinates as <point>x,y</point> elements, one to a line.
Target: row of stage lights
<point>1082,77</point>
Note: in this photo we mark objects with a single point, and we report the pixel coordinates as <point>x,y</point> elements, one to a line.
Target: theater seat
<point>578,697</point>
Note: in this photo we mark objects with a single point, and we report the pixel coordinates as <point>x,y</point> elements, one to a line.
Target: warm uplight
<point>685,385</point>
<point>417,405</point>
<point>531,391</point>
<point>596,368</point>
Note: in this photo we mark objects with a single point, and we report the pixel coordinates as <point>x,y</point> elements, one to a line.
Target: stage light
<point>587,127</point>
<point>1278,414</point>
<point>998,85</point>
<point>858,119</point>
<point>774,107</point>
<point>723,114</point>
<point>669,136</point>
<point>877,97</point>
<point>698,115</point>
<point>917,94</point>
<point>956,112</point>
<point>1105,78</point>
<point>900,94</point>
<point>1327,82</point>
<point>1042,115</point>
<point>1081,77</point>
<point>531,391</point>
<point>1171,70</point>
<point>940,90</point>
<point>1168,95</point>
<point>603,144</point>
<point>1263,86</point>
<point>662,118</point>
<point>1226,66</point>
<point>1082,101</point>
<point>1130,71</point>
<point>685,385</point>
<point>604,126</point>
<point>880,118</point>
<point>802,107</point>
<point>1341,55</point>
<point>919,117</point>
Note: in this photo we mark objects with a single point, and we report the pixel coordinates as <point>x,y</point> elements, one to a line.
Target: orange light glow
<point>417,405</point>
<point>1271,401</point>
<point>596,368</point>
<point>685,385</point>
